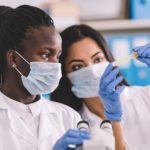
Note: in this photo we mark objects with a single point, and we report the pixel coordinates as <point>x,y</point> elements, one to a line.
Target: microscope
<point>101,136</point>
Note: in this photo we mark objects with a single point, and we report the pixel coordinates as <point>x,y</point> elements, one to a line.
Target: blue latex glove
<point>110,91</point>
<point>75,137</point>
<point>144,54</point>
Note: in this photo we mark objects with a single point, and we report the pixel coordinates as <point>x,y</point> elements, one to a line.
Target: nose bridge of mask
<point>45,68</point>
<point>94,71</point>
<point>80,75</point>
<point>23,59</point>
<point>88,73</point>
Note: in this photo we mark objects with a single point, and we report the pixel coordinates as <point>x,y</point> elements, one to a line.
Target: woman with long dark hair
<point>98,91</point>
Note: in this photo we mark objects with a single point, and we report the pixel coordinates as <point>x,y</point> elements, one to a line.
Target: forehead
<point>85,47</point>
<point>36,38</point>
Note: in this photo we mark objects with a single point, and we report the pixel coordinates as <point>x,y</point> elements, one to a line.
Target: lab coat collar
<point>50,109</point>
<point>47,125</point>
<point>23,109</point>
<point>16,124</point>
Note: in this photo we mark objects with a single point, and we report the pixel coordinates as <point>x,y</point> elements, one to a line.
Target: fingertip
<point>141,49</point>
<point>137,48</point>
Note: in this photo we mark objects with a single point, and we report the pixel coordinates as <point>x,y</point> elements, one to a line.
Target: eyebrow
<point>96,54</point>
<point>79,60</point>
<point>50,49</point>
<point>75,60</point>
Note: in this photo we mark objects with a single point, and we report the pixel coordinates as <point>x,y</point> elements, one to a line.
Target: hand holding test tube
<point>143,53</point>
<point>110,91</point>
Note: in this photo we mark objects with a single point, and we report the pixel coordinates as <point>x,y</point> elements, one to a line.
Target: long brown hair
<point>63,93</point>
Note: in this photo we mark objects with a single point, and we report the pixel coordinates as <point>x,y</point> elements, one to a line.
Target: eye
<point>98,60</point>
<point>76,67</point>
<point>45,55</point>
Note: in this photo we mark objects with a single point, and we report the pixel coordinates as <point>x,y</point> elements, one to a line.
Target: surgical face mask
<point>85,82</point>
<point>43,77</point>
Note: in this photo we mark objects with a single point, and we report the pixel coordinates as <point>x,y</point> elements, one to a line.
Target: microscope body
<point>101,138</point>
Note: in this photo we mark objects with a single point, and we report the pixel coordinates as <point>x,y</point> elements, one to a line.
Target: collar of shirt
<point>22,109</point>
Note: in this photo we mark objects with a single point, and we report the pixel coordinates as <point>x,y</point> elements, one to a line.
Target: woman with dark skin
<point>29,52</point>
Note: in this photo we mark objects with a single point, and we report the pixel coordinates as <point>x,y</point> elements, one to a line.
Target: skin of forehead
<point>83,49</point>
<point>42,36</point>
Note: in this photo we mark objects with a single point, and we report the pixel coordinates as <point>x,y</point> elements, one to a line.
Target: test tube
<point>123,60</point>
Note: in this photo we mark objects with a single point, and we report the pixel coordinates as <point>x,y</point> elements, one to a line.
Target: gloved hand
<point>75,137</point>
<point>144,53</point>
<point>109,92</point>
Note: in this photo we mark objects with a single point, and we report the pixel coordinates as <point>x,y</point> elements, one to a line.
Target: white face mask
<point>43,77</point>
<point>86,81</point>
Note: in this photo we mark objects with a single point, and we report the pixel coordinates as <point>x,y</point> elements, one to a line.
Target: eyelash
<point>96,60</point>
<point>45,55</point>
<point>99,60</point>
<point>74,68</point>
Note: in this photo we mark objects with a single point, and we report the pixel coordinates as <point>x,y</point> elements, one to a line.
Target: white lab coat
<point>136,117</point>
<point>55,120</point>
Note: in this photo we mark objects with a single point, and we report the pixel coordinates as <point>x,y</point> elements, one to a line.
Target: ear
<point>11,59</point>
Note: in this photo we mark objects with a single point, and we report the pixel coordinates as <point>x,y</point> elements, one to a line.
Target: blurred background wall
<point>124,23</point>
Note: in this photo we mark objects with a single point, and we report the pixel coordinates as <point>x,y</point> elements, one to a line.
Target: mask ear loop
<point>22,57</point>
<point>14,65</point>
